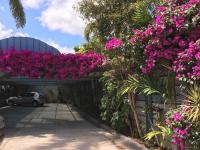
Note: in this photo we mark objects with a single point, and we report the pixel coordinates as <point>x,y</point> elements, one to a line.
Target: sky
<point>55,22</point>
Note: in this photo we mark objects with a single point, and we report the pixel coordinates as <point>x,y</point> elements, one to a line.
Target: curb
<point>127,141</point>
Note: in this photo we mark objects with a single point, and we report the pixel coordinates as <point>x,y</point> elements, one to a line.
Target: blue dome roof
<point>27,43</point>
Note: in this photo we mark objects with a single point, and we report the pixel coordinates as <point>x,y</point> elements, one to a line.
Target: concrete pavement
<point>53,127</point>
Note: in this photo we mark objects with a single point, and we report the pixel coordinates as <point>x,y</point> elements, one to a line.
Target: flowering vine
<point>170,36</point>
<point>50,66</point>
<point>187,64</point>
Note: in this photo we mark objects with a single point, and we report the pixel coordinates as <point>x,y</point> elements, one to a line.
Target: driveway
<point>53,127</point>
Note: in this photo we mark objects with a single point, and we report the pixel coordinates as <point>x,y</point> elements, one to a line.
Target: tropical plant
<point>17,12</point>
<point>142,15</point>
<point>140,85</point>
<point>114,110</point>
<point>162,134</point>
<point>182,123</point>
<point>193,100</point>
<point>175,130</point>
<point>151,85</point>
<point>120,64</point>
<point>195,137</point>
<point>191,109</point>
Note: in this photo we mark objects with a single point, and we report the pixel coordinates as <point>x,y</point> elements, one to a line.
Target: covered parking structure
<point>47,61</point>
<point>84,93</point>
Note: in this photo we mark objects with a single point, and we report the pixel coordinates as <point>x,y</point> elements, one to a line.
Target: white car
<point>33,98</point>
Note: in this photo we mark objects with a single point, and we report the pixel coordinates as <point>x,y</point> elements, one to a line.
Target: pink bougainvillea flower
<point>113,43</point>
<point>158,20</point>
<point>177,116</point>
<point>181,43</point>
<point>197,56</point>
<point>178,21</point>
<point>47,65</point>
<point>161,8</point>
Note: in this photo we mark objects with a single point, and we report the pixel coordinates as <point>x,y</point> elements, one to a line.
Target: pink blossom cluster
<point>50,66</point>
<point>187,64</point>
<point>179,136</point>
<point>176,25</point>
<point>113,43</point>
<point>180,128</point>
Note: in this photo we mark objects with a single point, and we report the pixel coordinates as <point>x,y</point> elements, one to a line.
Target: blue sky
<point>52,21</point>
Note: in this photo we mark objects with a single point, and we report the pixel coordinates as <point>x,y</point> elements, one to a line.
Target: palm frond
<point>17,12</point>
<point>193,96</point>
<point>142,14</point>
<point>162,131</point>
<point>139,84</point>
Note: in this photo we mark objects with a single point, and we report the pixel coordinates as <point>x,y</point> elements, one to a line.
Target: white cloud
<point>7,32</point>
<point>62,49</point>
<point>60,15</point>
<point>34,4</point>
<point>21,34</point>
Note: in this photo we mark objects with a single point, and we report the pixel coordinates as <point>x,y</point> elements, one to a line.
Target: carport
<point>21,62</point>
<point>83,93</point>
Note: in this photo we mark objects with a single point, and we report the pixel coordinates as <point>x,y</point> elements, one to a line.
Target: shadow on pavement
<point>54,127</point>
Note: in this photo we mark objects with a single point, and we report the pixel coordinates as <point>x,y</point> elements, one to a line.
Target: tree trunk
<point>174,93</point>
<point>131,124</point>
<point>171,90</point>
<point>132,99</point>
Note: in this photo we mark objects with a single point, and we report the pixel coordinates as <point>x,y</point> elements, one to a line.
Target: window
<point>28,95</point>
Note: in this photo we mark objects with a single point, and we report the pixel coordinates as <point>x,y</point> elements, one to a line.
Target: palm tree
<point>18,12</point>
<point>20,19</point>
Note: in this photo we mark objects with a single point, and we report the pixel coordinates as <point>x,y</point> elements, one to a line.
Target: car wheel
<point>34,103</point>
<point>10,103</point>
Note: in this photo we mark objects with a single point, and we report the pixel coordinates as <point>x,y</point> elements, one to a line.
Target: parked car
<point>29,98</point>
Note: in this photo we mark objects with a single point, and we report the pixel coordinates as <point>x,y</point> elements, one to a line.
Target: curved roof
<point>26,43</point>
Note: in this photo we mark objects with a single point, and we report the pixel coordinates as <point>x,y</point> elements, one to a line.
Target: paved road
<point>53,127</point>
